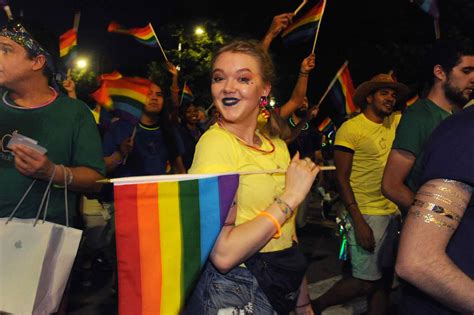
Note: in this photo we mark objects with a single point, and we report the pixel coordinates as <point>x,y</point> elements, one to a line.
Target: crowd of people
<point>397,171</point>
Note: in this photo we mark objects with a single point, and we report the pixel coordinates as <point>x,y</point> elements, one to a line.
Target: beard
<point>455,95</point>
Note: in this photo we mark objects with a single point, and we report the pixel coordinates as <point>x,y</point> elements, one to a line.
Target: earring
<point>264,112</point>
<point>263,102</point>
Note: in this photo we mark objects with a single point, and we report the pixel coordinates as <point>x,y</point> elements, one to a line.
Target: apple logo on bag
<point>18,244</point>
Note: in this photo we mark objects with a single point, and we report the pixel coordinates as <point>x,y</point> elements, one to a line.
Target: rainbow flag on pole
<point>186,95</point>
<point>67,42</point>
<point>128,96</point>
<point>166,227</point>
<point>304,28</point>
<point>145,35</point>
<point>115,75</point>
<point>325,124</point>
<point>342,92</point>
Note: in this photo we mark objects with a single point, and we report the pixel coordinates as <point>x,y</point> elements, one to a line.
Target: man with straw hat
<point>361,149</point>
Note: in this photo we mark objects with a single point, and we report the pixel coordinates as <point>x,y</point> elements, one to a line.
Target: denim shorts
<point>236,292</point>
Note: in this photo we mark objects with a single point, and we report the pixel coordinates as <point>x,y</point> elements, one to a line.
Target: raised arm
<point>438,209</point>
<point>398,167</point>
<point>299,92</point>
<point>174,88</point>
<point>279,23</point>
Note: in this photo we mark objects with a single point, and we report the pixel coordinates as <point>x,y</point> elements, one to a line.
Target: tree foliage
<point>193,54</point>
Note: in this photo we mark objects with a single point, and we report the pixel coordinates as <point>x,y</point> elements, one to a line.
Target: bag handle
<point>66,206</point>
<point>44,199</point>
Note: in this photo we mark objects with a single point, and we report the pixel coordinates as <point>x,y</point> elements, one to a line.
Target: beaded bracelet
<point>284,207</point>
<point>303,73</point>
<point>274,221</point>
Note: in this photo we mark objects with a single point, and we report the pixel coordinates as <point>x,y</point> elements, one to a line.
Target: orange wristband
<point>274,221</point>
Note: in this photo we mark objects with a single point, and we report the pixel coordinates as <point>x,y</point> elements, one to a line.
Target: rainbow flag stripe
<point>324,124</point>
<point>67,42</point>
<point>144,35</point>
<point>115,75</point>
<point>305,27</point>
<point>165,231</point>
<point>126,95</point>
<point>342,93</point>
<point>102,97</point>
<point>412,100</point>
<point>187,94</point>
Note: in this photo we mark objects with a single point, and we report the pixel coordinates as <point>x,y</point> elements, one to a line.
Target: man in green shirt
<point>450,66</point>
<point>30,106</point>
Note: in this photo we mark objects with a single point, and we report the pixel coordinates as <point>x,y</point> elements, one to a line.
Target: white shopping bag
<point>59,259</point>
<point>22,254</point>
<point>43,269</point>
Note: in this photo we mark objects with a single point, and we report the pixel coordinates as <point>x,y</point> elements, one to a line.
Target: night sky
<point>373,35</point>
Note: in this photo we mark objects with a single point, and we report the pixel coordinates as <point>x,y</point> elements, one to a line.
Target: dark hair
<point>275,127</point>
<point>182,111</point>
<point>447,53</point>
<point>48,40</point>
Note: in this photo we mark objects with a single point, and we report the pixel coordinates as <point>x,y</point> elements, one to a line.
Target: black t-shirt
<point>307,142</point>
<point>449,154</point>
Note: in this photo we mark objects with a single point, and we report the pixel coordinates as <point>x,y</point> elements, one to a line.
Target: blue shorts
<point>369,265</point>
<point>236,292</point>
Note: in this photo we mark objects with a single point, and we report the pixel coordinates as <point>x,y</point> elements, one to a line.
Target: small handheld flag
<point>67,42</point>
<point>341,91</point>
<point>115,75</point>
<point>128,95</point>
<point>145,35</point>
<point>303,29</point>
<point>186,96</point>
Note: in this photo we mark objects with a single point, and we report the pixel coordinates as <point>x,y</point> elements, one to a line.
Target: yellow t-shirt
<point>219,151</point>
<point>371,143</point>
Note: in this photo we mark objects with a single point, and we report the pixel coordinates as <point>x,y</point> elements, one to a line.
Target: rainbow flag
<point>144,35</point>
<point>67,42</point>
<point>186,96</point>
<point>325,124</point>
<point>412,100</point>
<point>304,28</point>
<point>128,96</point>
<point>342,92</point>
<point>166,227</point>
<point>102,97</point>
<point>115,75</point>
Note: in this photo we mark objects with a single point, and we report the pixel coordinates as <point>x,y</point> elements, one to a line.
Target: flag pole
<point>158,41</point>
<point>77,19</point>
<point>344,65</point>
<point>300,7</point>
<point>182,94</point>
<point>437,29</point>
<point>319,25</point>
<point>8,12</point>
<point>145,179</point>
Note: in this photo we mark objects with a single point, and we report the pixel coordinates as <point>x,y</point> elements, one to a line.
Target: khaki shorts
<point>369,265</point>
